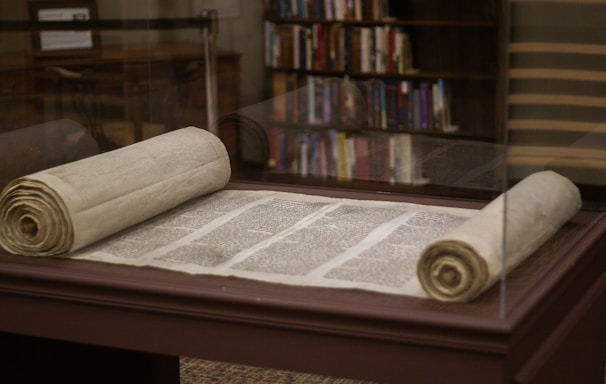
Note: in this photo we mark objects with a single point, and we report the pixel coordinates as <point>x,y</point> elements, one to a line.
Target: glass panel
<point>406,98</point>
<point>421,74</point>
<point>131,76</point>
<point>555,123</point>
<point>323,131</point>
<point>450,100</point>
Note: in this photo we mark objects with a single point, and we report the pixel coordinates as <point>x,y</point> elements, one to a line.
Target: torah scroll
<point>463,263</point>
<point>67,207</point>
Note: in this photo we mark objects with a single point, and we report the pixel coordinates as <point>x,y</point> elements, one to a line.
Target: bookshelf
<point>381,80</point>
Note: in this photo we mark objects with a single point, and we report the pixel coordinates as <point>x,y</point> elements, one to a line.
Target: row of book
<point>344,156</point>
<point>351,10</point>
<point>363,104</point>
<point>382,49</point>
<point>316,100</point>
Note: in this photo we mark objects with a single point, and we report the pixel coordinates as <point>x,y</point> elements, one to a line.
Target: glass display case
<point>382,185</point>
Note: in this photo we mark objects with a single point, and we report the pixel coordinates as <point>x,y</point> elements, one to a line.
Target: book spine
<point>391,159</point>
<point>311,103</point>
<point>376,102</point>
<point>437,106</point>
<point>301,9</point>
<point>365,45</point>
<point>286,46</point>
<point>269,29</point>
<point>296,46</point>
<point>294,98</point>
<point>378,49</point>
<point>317,43</point>
<point>279,87</point>
<point>383,108</point>
<point>329,9</point>
<point>318,100</point>
<point>273,136</point>
<point>416,109</point>
<point>314,154</point>
<point>303,145</point>
<point>362,158</point>
<point>332,152</point>
<point>370,110</point>
<point>327,103</point>
<point>404,158</point>
<point>319,9</point>
<point>424,105</point>
<point>281,158</point>
<point>358,10</point>
<point>325,156</point>
<point>392,98</point>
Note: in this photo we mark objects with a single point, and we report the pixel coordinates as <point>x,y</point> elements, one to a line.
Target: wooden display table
<point>548,327</point>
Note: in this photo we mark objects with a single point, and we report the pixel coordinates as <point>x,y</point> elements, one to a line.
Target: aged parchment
<point>64,208</point>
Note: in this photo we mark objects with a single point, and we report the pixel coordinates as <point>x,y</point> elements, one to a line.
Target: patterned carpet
<point>195,371</point>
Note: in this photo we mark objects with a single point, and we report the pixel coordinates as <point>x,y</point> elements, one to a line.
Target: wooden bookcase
<point>386,71</point>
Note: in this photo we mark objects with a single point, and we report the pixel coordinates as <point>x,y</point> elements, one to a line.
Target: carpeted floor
<point>196,371</point>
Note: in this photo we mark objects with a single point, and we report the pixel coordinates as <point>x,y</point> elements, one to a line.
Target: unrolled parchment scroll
<point>465,262</point>
<point>67,207</point>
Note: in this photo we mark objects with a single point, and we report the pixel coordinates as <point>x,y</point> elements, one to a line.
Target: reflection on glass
<point>335,129</point>
<point>31,149</point>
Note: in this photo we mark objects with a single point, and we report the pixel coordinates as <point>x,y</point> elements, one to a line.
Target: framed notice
<point>75,39</point>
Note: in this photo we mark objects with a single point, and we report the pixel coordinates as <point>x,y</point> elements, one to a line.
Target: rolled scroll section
<point>465,262</point>
<point>35,220</point>
<point>65,208</point>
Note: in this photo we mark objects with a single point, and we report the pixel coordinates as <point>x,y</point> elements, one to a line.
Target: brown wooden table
<point>548,326</point>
